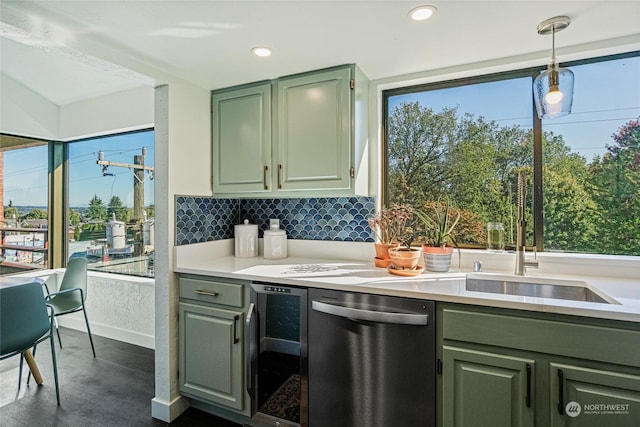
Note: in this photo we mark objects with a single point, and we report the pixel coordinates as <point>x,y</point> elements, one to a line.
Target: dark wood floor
<point>114,389</point>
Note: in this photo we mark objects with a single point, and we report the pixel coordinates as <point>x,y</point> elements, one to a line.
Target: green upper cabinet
<point>314,131</point>
<point>242,139</point>
<point>298,135</point>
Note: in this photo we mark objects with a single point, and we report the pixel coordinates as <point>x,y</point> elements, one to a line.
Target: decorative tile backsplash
<point>203,219</point>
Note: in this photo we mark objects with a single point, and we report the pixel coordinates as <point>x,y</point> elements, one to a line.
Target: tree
<point>11,211</point>
<point>616,178</point>
<point>419,140</point>
<point>36,214</point>
<point>74,217</point>
<point>118,209</point>
<point>96,210</point>
<point>474,162</point>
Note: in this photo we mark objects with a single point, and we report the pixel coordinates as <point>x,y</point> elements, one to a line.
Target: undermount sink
<point>535,287</point>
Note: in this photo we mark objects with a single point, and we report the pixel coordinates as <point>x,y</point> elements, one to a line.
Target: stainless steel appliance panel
<point>371,360</point>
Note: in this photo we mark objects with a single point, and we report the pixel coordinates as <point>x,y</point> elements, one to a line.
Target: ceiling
<point>67,51</point>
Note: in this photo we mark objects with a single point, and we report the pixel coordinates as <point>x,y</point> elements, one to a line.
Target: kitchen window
<point>111,205</point>
<point>465,140</point>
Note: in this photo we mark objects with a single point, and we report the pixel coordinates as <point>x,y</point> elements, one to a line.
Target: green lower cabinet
<point>211,354</point>
<point>486,389</point>
<point>591,397</point>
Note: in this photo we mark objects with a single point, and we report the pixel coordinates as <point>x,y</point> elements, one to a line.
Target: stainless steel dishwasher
<point>371,360</point>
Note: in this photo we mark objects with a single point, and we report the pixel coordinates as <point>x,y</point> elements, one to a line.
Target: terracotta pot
<point>403,258</point>
<point>437,259</point>
<point>382,249</point>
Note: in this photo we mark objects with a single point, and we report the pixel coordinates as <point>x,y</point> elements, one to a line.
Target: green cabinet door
<point>241,136</point>
<point>486,389</point>
<point>211,354</point>
<point>314,131</point>
<point>591,397</point>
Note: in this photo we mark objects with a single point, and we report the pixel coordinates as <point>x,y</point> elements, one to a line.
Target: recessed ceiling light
<point>261,51</point>
<point>421,13</point>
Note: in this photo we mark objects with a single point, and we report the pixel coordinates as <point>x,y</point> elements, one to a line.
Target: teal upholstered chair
<point>25,320</point>
<point>72,294</point>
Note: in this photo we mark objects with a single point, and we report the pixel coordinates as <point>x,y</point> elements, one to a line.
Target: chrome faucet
<point>521,237</point>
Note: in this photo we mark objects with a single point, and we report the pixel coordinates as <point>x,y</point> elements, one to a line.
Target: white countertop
<point>363,276</point>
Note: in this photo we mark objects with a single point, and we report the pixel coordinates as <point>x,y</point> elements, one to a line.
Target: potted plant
<point>386,225</point>
<point>404,256</point>
<point>439,242</point>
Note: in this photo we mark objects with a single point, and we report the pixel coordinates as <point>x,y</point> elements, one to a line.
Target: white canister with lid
<point>275,241</point>
<point>246,239</point>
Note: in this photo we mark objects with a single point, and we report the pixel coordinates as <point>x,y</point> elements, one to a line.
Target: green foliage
<point>616,179</point>
<point>11,211</point>
<point>438,224</point>
<point>36,214</point>
<point>587,207</point>
<point>96,209</point>
<point>74,217</point>
<point>116,208</point>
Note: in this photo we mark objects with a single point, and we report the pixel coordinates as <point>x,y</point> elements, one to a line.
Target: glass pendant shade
<point>553,92</point>
<point>553,88</point>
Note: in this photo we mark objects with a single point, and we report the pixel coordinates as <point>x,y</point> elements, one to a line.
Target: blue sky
<point>25,171</point>
<point>606,96</point>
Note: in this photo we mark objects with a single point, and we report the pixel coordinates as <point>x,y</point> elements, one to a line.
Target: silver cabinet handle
<point>264,177</point>
<point>279,172</point>
<point>370,315</point>
<point>249,350</point>
<point>207,293</point>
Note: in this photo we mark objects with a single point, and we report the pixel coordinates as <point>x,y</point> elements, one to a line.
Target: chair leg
<point>86,319</point>
<point>55,367</point>
<point>34,355</point>
<point>20,371</point>
<point>57,331</point>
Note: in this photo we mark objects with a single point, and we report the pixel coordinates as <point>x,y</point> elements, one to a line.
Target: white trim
<point>76,321</point>
<point>168,411</point>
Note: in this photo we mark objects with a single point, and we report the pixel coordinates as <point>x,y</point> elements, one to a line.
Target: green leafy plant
<point>439,223</point>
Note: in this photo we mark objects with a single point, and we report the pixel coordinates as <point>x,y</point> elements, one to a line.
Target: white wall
<point>121,111</point>
<point>119,307</point>
<point>26,113</point>
<point>182,166</point>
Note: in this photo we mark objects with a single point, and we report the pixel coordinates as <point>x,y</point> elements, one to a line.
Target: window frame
<point>58,187</point>
<point>529,72</point>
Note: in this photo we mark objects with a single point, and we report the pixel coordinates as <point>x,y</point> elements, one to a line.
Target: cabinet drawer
<point>588,341</point>
<point>211,291</point>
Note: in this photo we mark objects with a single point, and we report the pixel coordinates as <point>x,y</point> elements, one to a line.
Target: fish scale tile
<point>202,219</point>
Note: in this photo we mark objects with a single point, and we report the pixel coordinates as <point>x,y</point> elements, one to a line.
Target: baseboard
<point>168,411</point>
<point>107,331</point>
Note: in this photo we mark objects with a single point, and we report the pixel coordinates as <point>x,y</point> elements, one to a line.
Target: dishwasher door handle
<point>370,315</point>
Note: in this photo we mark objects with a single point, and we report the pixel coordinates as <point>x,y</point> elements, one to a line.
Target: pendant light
<point>553,88</point>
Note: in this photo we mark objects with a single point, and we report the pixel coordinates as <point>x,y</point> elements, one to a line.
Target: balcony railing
<point>23,249</point>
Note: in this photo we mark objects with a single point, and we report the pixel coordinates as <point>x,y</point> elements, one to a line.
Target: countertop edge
<point>378,281</point>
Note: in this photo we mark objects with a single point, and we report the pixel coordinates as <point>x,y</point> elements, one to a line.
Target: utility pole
<point>138,186</point>
<point>138,169</point>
